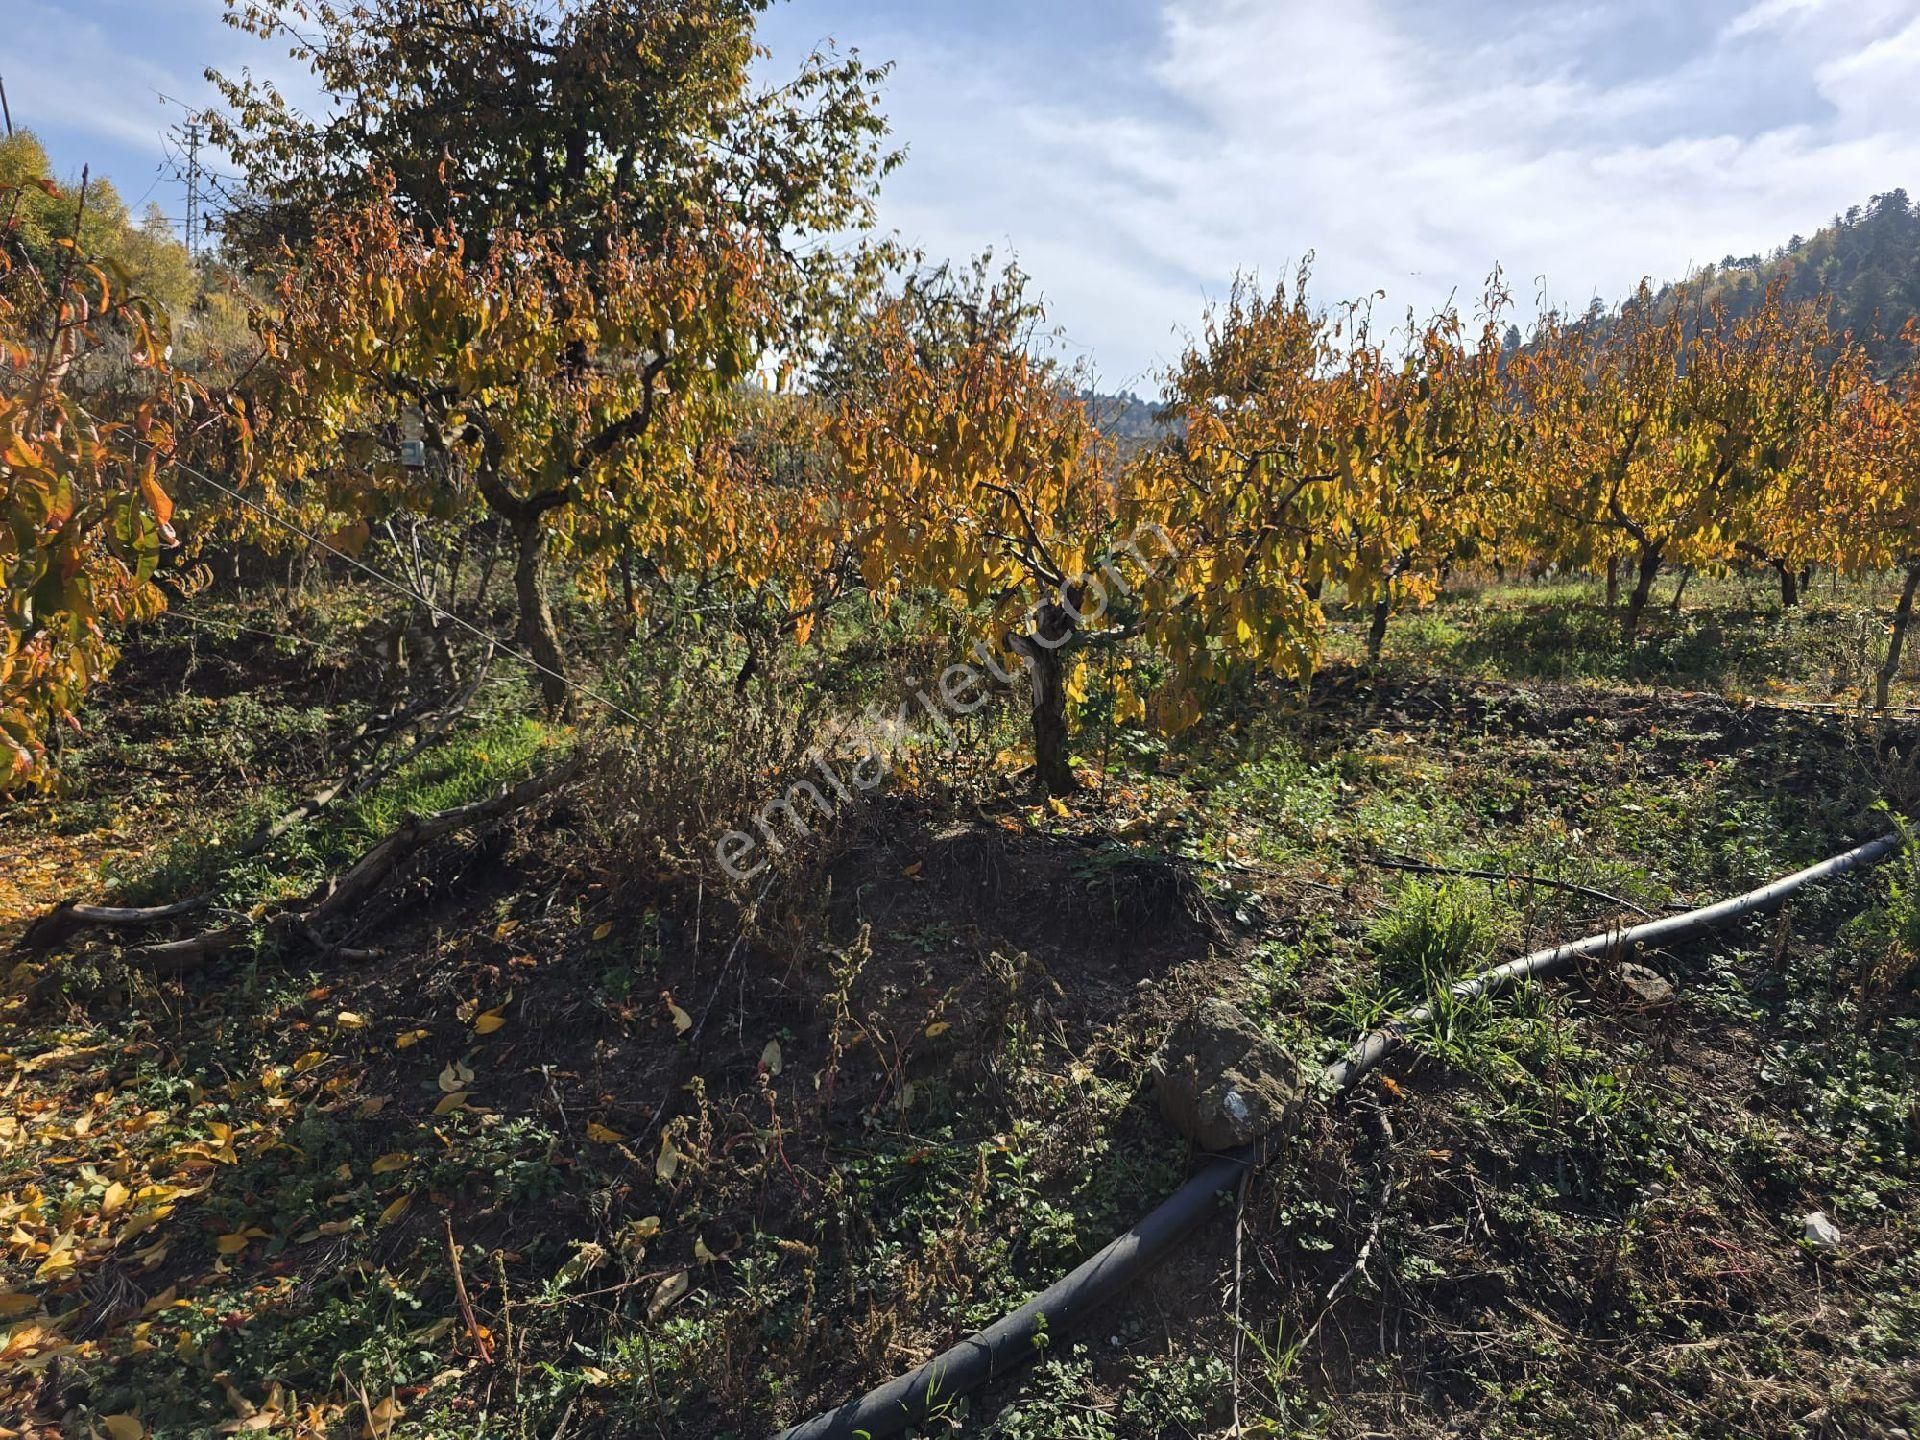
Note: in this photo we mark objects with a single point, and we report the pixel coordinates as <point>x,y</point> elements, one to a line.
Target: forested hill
<point>1126,417</point>
<point>1867,260</point>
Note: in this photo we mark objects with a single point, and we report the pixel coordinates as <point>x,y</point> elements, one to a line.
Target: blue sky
<point>1135,154</point>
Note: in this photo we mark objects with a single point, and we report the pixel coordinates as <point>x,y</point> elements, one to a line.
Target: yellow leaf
<point>1058,806</point>
<point>450,1103</point>
<point>308,1061</point>
<point>13,1302</point>
<point>231,1244</point>
<point>411,1038</point>
<point>599,1132</point>
<point>456,1076</point>
<point>395,1160</point>
<point>488,1023</point>
<point>381,1419</point>
<point>668,1165</point>
<point>682,1022</point>
<point>938,1028</point>
<point>594,1375</point>
<point>161,1301</point>
<point>394,1211</point>
<point>123,1427</point>
<point>603,930</point>
<point>348,1020</point>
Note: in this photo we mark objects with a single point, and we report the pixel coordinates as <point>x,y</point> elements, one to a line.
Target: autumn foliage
<point>84,510</point>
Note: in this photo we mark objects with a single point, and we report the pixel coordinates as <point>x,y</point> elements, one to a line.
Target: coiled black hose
<point>1025,1334</point>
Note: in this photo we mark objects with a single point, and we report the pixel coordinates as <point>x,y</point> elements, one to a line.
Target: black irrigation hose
<point>1027,1332</point>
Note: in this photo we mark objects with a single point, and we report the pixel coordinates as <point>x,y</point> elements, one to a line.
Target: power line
<point>398,586</point>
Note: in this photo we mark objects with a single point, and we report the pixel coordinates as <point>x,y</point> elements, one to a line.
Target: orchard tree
<point>1867,496</point>
<point>972,471</point>
<point>556,240</point>
<point>1244,491</point>
<point>84,504</point>
<point>1657,432</point>
<point>1424,482</point>
<point>574,399</point>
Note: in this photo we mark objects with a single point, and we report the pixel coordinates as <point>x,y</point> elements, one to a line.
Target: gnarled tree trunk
<point>1649,570</point>
<point>1377,631</point>
<point>1044,652</point>
<point>1902,617</point>
<point>1789,584</point>
<point>538,637</point>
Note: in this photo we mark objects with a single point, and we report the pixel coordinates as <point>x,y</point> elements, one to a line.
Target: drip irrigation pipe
<point>1026,1333</point>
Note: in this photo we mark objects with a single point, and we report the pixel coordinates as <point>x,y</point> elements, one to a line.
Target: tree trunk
<point>628,595</point>
<point>1047,672</point>
<point>1613,583</point>
<point>1902,615</point>
<point>537,634</point>
<point>1377,631</point>
<point>1649,569</point>
<point>1679,591</point>
<point>1789,585</point>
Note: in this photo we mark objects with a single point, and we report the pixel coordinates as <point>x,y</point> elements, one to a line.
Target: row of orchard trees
<point>574,275</point>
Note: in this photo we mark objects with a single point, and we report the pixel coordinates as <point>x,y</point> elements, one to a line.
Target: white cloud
<point>1272,129</point>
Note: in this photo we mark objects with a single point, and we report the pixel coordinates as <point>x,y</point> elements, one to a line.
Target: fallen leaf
<point>412,1037</point>
<point>394,1160</point>
<point>668,1291</point>
<point>450,1103</point>
<point>603,929</point>
<point>770,1059</point>
<point>456,1076</point>
<point>682,1022</point>
<point>599,1132</point>
<point>914,869</point>
<point>348,1020</point>
<point>668,1165</point>
<point>394,1211</point>
<point>161,1301</point>
<point>486,1024</point>
<point>123,1427</point>
<point>938,1028</point>
<point>381,1418</point>
<point>594,1375</point>
<point>13,1303</point>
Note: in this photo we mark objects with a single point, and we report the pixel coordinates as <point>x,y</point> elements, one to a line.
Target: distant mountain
<point>1124,418</point>
<point>1867,262</point>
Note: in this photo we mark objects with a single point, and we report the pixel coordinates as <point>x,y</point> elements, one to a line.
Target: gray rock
<point>1644,989</point>
<point>1221,1082</point>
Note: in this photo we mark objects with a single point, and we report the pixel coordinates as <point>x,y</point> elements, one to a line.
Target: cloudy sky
<point>1136,154</point>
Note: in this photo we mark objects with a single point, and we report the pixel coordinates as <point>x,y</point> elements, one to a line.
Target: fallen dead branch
<point>427,728</point>
<point>344,894</point>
